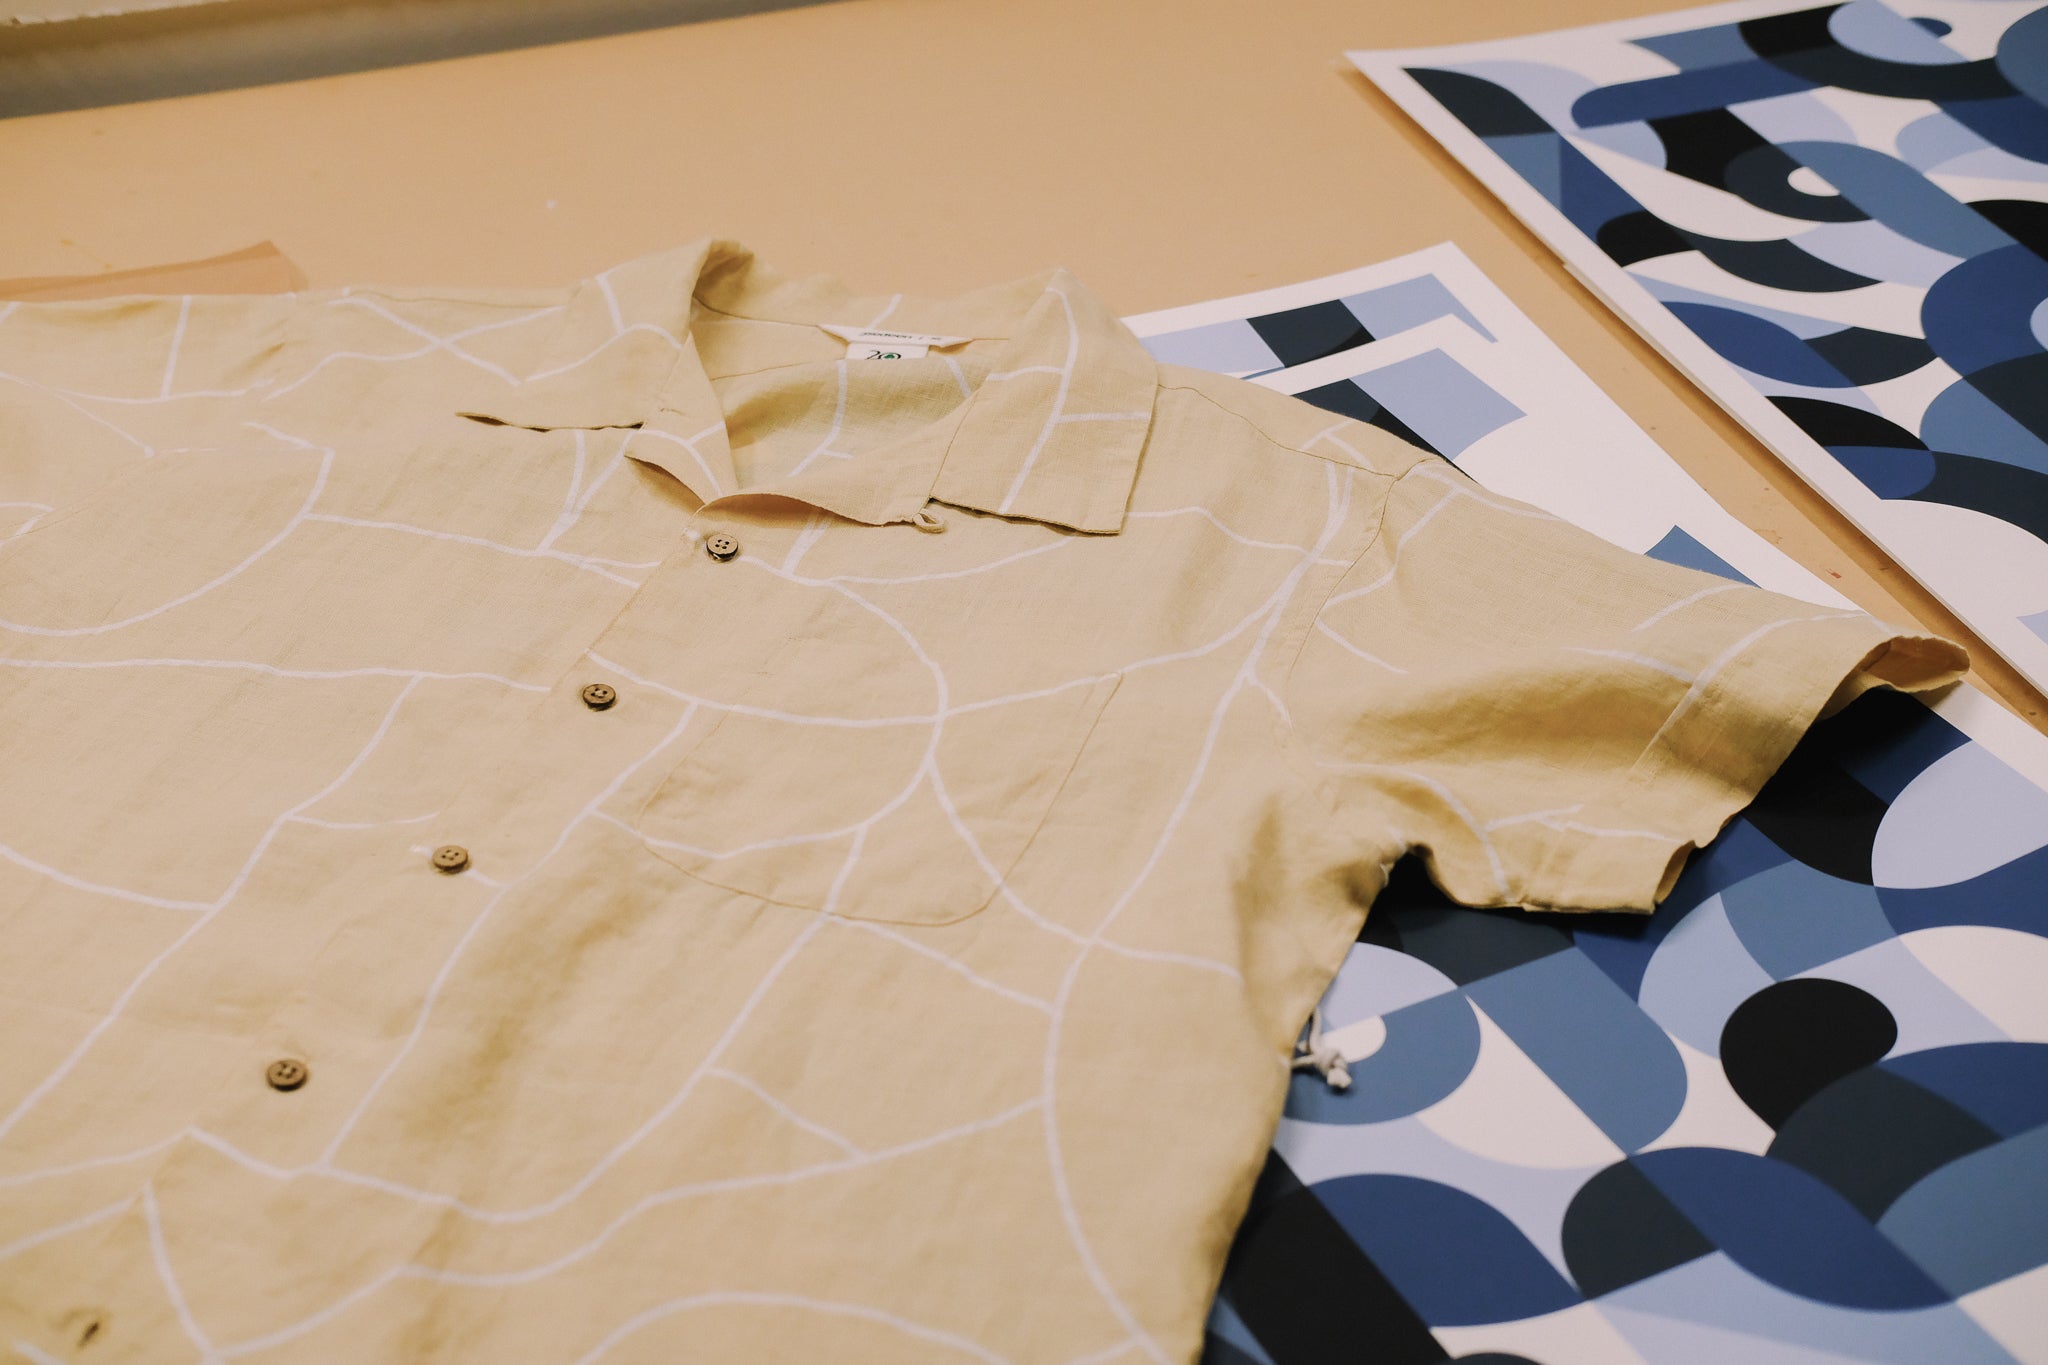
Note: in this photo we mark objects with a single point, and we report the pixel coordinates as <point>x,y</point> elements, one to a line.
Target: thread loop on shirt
<point>1315,1053</point>
<point>926,520</point>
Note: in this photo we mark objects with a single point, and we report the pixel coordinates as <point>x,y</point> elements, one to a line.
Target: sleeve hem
<point>1721,743</point>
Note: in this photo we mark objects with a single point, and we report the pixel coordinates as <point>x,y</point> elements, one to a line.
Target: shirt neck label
<point>871,343</point>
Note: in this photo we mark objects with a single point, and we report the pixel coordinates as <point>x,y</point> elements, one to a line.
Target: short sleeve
<point>1554,721</point>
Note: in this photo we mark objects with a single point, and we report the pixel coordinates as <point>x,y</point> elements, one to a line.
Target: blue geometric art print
<point>1843,209</point>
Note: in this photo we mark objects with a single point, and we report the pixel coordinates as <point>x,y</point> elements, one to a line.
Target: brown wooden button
<point>287,1073</point>
<point>451,857</point>
<point>597,696</point>
<point>721,546</point>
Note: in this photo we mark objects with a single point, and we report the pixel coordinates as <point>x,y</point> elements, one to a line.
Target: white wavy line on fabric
<point>600,348</point>
<point>611,300</point>
<point>437,342</point>
<point>878,319</point>
<point>245,665</point>
<point>154,399</point>
<point>1219,524</point>
<point>584,563</point>
<point>1105,417</point>
<point>434,343</point>
<point>447,969</point>
<point>161,1255</point>
<point>52,1233</point>
<point>305,510</point>
<point>1108,1353</point>
<point>1682,603</point>
<point>824,447</point>
<point>688,443</point>
<point>722,1298</point>
<point>1533,817</point>
<point>1206,964</point>
<point>999,376</point>
<point>20,1178</point>
<point>1059,403</point>
<point>787,1114</point>
<point>567,515</point>
<point>177,341</point>
<point>1726,657</point>
<point>1629,657</point>
<point>114,1011</point>
<point>812,532</point>
<point>1323,627</point>
<point>148,451</point>
<point>959,376</point>
<point>943,574</point>
<point>35,1354</point>
<point>946,960</point>
<point>760,712</point>
<point>63,878</point>
<point>364,824</point>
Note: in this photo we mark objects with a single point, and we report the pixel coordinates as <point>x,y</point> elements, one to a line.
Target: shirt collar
<point>1053,433</point>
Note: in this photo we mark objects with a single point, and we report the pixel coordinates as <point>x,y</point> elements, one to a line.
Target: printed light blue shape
<point>1966,814</point>
<point>1609,1059</point>
<point>1873,249</point>
<point>1716,1292</point>
<point>2006,897</point>
<point>2038,623</point>
<point>1787,1228</point>
<point>1394,308</point>
<point>1374,981</point>
<point>1932,141</point>
<point>1929,1014</point>
<point>1226,1325</point>
<point>1980,1219</point>
<point>1793,918</point>
<point>1698,976</point>
<point>2037,321</point>
<point>1800,115</point>
<point>1900,197</point>
<point>1228,347</point>
<point>1533,1198</point>
<point>1441,401</point>
<point>1679,548</point>
<point>1687,92</point>
<point>1871,28</point>
<point>1455,1259</point>
<point>1962,420</point>
<point>1428,1053</point>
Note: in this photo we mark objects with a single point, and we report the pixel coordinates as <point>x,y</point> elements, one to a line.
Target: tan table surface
<point>1165,150</point>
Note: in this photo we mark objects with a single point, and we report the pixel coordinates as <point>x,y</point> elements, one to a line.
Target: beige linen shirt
<point>905,965</point>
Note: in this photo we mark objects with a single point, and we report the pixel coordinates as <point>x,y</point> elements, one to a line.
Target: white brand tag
<point>871,343</point>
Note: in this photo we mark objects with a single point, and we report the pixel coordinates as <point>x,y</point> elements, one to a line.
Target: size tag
<point>871,343</point>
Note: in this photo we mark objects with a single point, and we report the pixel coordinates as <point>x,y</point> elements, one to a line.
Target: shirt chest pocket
<point>822,789</point>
